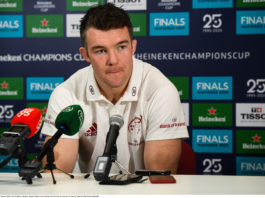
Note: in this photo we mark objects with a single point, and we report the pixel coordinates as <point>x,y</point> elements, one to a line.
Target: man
<point>117,83</point>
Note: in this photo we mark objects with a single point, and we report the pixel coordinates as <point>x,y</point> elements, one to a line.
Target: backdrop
<point>212,50</point>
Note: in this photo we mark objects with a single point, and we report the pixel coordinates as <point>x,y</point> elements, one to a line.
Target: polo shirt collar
<point>131,93</point>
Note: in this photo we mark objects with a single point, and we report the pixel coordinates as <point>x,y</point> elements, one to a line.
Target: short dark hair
<point>105,17</point>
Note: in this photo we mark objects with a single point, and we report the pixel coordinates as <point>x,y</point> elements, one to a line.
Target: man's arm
<point>162,155</point>
<point>65,154</point>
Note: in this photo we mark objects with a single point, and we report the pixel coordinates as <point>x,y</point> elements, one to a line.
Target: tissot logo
<point>250,22</point>
<point>11,88</point>
<point>250,141</point>
<point>250,115</point>
<point>207,88</point>
<point>44,25</point>
<point>130,4</point>
<point>212,114</point>
<point>169,24</point>
<point>11,26</point>
<point>212,141</point>
<point>212,4</point>
<point>40,88</point>
<point>73,25</point>
<point>252,166</point>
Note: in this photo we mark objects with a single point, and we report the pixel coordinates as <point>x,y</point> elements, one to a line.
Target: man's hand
<point>65,154</point>
<point>162,155</point>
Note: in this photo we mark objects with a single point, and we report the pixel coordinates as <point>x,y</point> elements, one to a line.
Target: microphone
<point>103,163</point>
<point>24,124</point>
<point>116,122</point>
<point>68,122</point>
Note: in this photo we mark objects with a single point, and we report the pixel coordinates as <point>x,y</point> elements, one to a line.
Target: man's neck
<point>113,95</point>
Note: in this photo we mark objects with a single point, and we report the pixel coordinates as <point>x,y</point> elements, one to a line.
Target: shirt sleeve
<point>59,99</point>
<point>165,115</point>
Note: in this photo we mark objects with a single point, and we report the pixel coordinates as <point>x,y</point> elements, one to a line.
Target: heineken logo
<point>11,88</point>
<point>4,85</point>
<point>44,25</point>
<point>209,114</point>
<point>250,141</point>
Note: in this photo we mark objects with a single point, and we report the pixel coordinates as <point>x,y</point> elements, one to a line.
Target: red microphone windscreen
<point>32,117</point>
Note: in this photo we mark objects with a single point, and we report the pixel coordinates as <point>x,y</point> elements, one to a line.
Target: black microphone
<point>103,163</point>
<point>116,122</point>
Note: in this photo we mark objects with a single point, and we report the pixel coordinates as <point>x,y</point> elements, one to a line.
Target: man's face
<point>110,53</point>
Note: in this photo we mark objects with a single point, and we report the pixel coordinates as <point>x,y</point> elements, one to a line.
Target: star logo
<point>256,138</point>
<point>211,111</point>
<point>44,110</point>
<point>4,85</point>
<point>44,22</point>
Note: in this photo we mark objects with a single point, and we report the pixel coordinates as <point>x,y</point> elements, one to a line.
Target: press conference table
<point>11,184</point>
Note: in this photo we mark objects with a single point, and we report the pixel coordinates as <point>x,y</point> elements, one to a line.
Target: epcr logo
<point>68,109</point>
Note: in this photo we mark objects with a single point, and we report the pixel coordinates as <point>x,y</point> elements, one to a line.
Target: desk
<point>11,184</point>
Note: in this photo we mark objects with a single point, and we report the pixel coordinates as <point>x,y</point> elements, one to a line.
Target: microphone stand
<point>51,166</point>
<point>32,168</point>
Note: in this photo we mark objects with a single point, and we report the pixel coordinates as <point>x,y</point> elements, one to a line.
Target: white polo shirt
<point>150,107</point>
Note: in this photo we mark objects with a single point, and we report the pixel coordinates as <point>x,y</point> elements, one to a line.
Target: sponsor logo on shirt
<point>135,131</point>
<point>93,130</point>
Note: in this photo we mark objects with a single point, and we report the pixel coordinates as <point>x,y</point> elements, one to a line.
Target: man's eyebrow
<point>101,47</point>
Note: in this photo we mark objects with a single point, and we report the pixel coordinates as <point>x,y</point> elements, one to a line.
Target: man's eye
<point>100,51</point>
<point>122,47</point>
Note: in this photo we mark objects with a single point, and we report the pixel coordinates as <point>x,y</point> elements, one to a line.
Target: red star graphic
<point>4,85</point>
<point>256,138</point>
<point>44,22</point>
<point>211,111</point>
<point>44,110</point>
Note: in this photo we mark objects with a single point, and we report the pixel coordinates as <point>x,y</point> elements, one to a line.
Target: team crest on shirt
<point>135,128</point>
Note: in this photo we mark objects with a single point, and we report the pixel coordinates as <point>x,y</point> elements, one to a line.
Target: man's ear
<point>134,44</point>
<point>84,53</point>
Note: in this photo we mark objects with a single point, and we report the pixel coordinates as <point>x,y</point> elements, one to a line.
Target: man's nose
<point>113,58</point>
